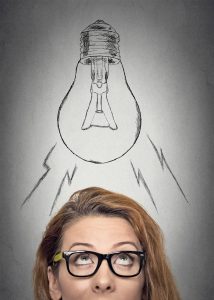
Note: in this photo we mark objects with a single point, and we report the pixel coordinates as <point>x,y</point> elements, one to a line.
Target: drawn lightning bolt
<point>139,177</point>
<point>69,179</point>
<point>163,163</point>
<point>46,166</point>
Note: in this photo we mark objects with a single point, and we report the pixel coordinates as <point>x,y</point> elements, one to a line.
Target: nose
<point>103,280</point>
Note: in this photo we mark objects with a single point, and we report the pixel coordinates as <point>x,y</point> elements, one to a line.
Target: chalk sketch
<point>69,180</point>
<point>95,126</point>
<point>99,119</point>
<point>139,177</point>
<point>46,166</point>
<point>163,162</point>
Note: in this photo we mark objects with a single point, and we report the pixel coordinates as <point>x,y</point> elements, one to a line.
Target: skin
<point>103,234</point>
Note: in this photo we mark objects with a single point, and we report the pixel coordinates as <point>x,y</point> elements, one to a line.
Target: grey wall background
<point>167,48</point>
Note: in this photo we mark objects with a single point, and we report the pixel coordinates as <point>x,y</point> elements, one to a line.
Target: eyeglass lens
<point>123,263</point>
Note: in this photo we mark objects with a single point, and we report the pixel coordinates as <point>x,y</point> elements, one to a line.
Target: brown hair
<point>159,282</point>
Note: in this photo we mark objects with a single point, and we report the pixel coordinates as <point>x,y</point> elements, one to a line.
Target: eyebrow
<point>115,245</point>
<point>126,243</point>
<point>81,244</point>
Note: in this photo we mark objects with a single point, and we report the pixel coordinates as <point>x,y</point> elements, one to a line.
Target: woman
<point>102,245</point>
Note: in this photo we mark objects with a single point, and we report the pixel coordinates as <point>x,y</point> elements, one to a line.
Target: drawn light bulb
<point>99,119</point>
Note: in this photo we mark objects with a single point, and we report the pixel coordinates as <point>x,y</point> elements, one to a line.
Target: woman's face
<point>103,235</point>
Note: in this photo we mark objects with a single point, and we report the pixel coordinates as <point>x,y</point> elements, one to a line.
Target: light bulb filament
<point>99,113</point>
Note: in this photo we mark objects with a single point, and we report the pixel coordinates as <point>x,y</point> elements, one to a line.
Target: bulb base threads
<point>99,40</point>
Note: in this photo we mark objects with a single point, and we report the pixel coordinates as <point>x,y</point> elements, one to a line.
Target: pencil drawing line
<point>163,162</point>
<point>101,120</point>
<point>139,177</point>
<point>46,166</point>
<point>69,179</point>
<point>138,119</point>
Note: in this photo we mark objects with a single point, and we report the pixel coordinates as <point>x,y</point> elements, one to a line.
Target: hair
<point>94,201</point>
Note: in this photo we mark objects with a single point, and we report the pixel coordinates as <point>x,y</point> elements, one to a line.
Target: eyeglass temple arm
<point>57,257</point>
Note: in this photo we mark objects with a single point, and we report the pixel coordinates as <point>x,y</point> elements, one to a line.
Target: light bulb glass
<point>99,119</point>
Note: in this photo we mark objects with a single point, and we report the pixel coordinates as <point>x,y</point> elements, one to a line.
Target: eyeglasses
<point>86,263</point>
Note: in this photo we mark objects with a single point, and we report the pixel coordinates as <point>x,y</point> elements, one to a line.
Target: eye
<point>83,259</point>
<point>124,259</point>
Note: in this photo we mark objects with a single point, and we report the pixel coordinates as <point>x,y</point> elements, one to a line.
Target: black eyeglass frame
<point>66,255</point>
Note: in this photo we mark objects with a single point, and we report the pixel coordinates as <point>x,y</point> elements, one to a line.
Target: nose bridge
<point>103,281</point>
<point>106,257</point>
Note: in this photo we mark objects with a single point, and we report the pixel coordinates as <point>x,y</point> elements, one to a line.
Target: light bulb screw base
<point>99,40</point>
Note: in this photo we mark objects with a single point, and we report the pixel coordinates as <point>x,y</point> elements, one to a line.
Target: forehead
<point>99,231</point>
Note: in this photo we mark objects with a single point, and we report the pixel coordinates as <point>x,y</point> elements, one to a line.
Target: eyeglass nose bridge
<point>101,258</point>
<point>66,255</point>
